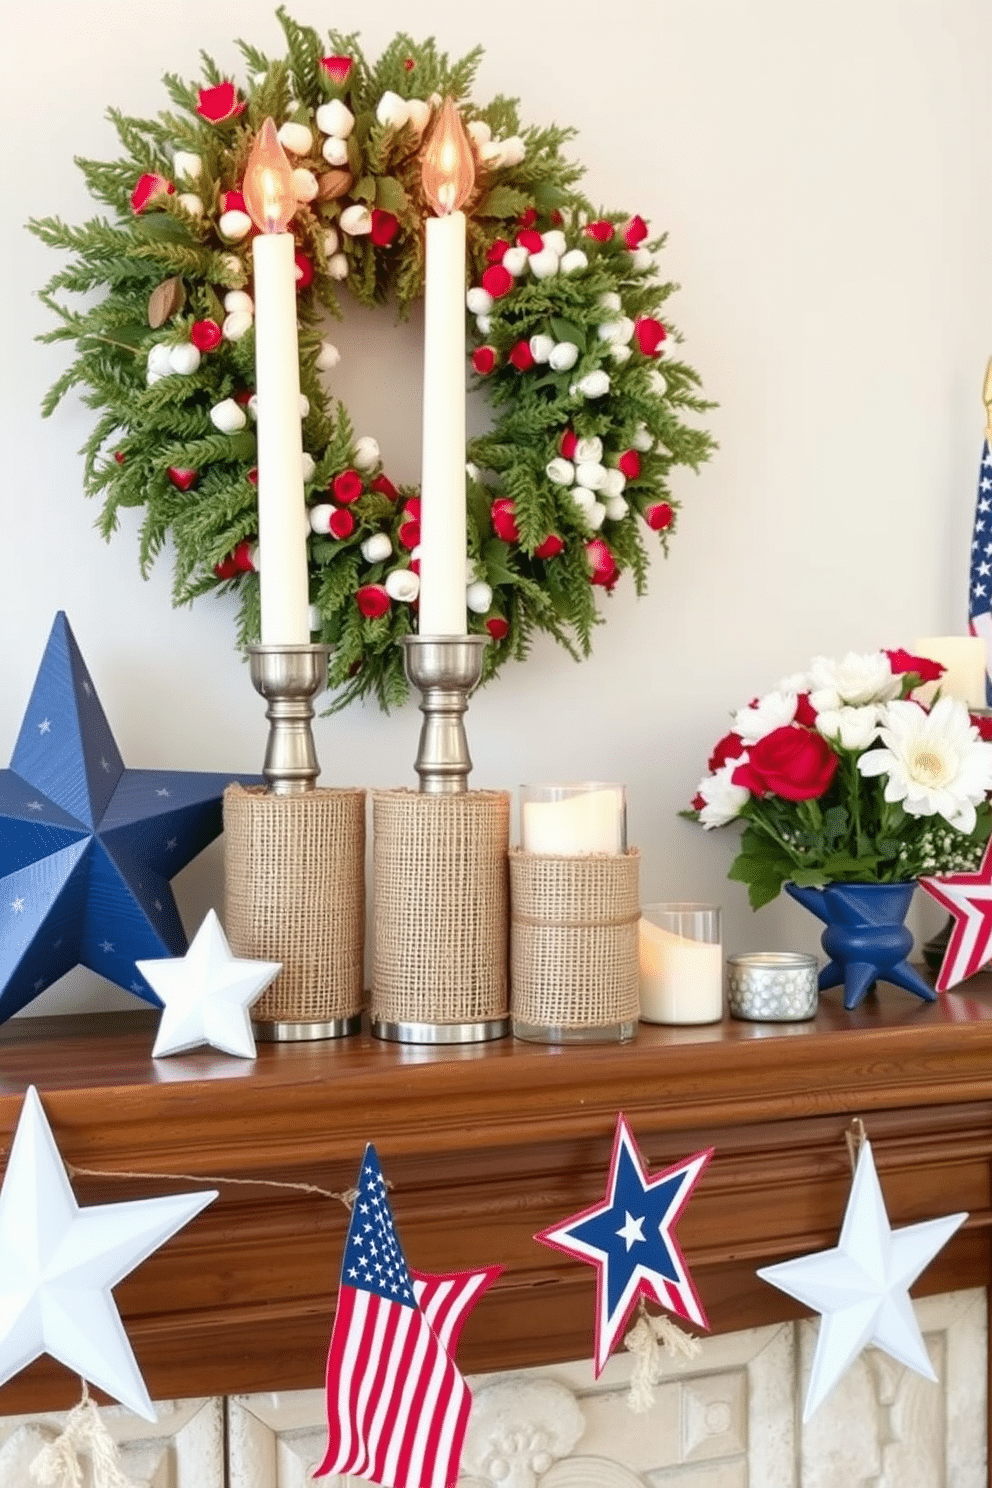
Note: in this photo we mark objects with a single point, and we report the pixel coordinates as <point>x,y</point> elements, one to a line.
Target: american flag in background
<point>397,1405</point>
<point>980,577</point>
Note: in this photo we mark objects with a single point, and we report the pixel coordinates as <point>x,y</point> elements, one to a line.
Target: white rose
<point>479,132</point>
<point>852,728</point>
<point>335,118</point>
<point>515,261</point>
<point>418,113</point>
<point>296,138</point>
<point>589,449</point>
<point>236,299</point>
<point>328,357</point>
<point>186,166</point>
<point>584,498</point>
<point>723,800</point>
<point>574,261</point>
<point>620,353</point>
<point>305,186</point>
<point>590,473</point>
<point>234,226</point>
<point>543,265</point>
<point>857,679</point>
<point>160,360</point>
<point>337,266</point>
<point>614,483</point>
<point>556,241</point>
<point>541,347</point>
<point>308,465</point>
<point>478,597</point>
<point>191,202</point>
<point>560,472</point>
<point>377,548</point>
<point>320,519</point>
<point>594,385</point>
<point>184,359</point>
<point>619,330</point>
<point>356,220</point>
<point>228,416</point>
<point>392,110</point>
<point>564,356</point>
<point>335,150</point>
<point>774,710</point>
<point>236,324</point>
<point>403,584</point>
<point>479,301</point>
<point>596,515</point>
<point>616,508</point>
<point>366,454</point>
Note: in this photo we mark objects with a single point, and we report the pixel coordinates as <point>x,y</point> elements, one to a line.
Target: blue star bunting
<point>87,847</point>
<point>628,1238</point>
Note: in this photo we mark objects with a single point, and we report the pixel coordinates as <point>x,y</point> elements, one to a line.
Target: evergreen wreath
<point>567,329</point>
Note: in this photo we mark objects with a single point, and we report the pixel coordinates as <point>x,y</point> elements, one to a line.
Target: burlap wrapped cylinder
<point>573,942</point>
<point>295,893</point>
<point>440,908</point>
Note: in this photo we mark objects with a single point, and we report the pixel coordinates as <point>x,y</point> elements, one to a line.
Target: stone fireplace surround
<point>484,1146</point>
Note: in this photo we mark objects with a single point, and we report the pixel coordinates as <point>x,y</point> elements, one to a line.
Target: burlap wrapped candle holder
<point>295,893</point>
<point>573,946</point>
<point>440,916</point>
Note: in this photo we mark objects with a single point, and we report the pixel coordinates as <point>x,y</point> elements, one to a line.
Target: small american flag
<point>980,577</point>
<point>397,1405</point>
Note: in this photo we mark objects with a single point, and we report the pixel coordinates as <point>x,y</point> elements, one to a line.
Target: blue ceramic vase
<point>865,937</point>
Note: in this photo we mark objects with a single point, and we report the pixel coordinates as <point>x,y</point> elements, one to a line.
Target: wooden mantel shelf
<point>484,1146</point>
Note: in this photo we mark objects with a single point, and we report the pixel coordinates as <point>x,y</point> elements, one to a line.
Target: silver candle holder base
<point>289,678</point>
<point>445,670</point>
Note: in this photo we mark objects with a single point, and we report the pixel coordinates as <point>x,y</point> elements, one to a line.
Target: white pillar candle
<point>963,657</point>
<point>681,978</point>
<point>580,821</point>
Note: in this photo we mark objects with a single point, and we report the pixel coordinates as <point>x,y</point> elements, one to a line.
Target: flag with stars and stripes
<point>980,580</point>
<point>397,1404</point>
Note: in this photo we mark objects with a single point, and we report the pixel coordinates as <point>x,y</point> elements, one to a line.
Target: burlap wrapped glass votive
<point>573,946</point>
<point>440,916</point>
<point>295,893</point>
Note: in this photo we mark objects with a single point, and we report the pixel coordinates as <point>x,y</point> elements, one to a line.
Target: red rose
<point>148,188</point>
<point>494,254</point>
<point>805,712</point>
<point>304,270</point>
<point>602,565</point>
<point>658,516</point>
<point>530,240</point>
<point>484,360</point>
<point>550,547</point>
<point>218,104</point>
<point>567,443</point>
<point>528,218</point>
<point>347,486</point>
<point>730,747</point>
<point>505,519</point>
<point>497,627</point>
<point>233,201</point>
<point>385,487</point>
<point>497,281</point>
<point>181,479</point>
<point>409,533</point>
<point>205,335</point>
<point>412,508</point>
<point>384,227</point>
<point>904,661</point>
<point>341,523</point>
<point>521,357</point>
<point>635,232</point>
<point>338,69</point>
<point>792,762</point>
<point>629,464</point>
<point>372,600</point>
<point>650,334</point>
<point>601,231</point>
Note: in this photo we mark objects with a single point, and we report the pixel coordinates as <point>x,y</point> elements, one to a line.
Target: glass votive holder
<point>572,821</point>
<point>681,963</point>
<point>772,986</point>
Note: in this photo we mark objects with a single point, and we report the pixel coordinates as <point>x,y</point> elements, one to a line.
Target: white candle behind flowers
<point>681,964</point>
<point>568,821</point>
<point>448,171</point>
<point>282,519</point>
<point>964,661</point>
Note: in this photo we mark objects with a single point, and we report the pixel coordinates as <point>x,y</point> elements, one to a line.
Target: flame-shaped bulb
<point>268,192</point>
<point>448,164</point>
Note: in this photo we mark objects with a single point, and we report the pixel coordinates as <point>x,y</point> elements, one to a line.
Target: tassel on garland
<point>58,1464</point>
<point>648,1340</point>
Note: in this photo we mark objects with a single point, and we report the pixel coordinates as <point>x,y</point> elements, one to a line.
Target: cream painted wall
<point>823,172</point>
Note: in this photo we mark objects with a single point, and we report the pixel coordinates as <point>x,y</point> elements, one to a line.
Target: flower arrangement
<point>840,774</point>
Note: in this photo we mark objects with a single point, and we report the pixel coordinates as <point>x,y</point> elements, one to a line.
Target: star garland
<point>588,392</point>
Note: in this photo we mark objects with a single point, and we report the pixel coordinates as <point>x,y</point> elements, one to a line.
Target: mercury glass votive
<point>772,986</point>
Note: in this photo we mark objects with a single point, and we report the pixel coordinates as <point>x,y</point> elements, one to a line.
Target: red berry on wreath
<point>602,567</point>
<point>528,218</point>
<point>304,270</point>
<point>658,516</point>
<point>650,334</point>
<point>149,187</point>
<point>218,104</point>
<point>522,357</point>
<point>409,533</point>
<point>338,69</point>
<point>497,281</point>
<point>385,487</point>
<point>384,227</point>
<point>629,464</point>
<point>600,231</point>
<point>635,231</point>
<point>505,519</point>
<point>341,523</point>
<point>372,600</point>
<point>530,240</point>
<point>347,486</point>
<point>205,335</point>
<point>181,479</point>
<point>484,360</point>
<point>494,254</point>
<point>412,508</point>
<point>497,627</point>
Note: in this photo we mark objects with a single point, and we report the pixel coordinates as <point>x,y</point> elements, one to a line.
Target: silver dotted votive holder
<point>772,986</point>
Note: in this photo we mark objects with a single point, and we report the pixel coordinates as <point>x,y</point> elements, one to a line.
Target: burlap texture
<point>440,906</point>
<point>573,939</point>
<point>295,893</point>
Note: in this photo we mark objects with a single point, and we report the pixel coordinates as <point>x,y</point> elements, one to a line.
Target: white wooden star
<point>206,995</point>
<point>58,1263</point>
<point>861,1288</point>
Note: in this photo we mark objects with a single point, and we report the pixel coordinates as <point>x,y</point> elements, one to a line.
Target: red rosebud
<point>521,357</point>
<point>341,523</point>
<point>372,600</point>
<point>794,763</point>
<point>629,464</point>
<point>412,508</point>
<point>602,566</point>
<point>119,456</point>
<point>385,487</point>
<point>528,218</point>
<point>218,104</point>
<point>384,227</point>
<point>730,747</point>
<point>494,254</point>
<point>805,712</point>
<point>409,533</point>
<point>497,281</point>
<point>233,201</point>
<point>205,335</point>
<point>338,69</point>
<point>243,396</point>
<point>225,569</point>
<point>635,231</point>
<point>149,187</point>
<point>567,443</point>
<point>904,661</point>
<point>698,802</point>
<point>601,231</point>
<point>241,557</point>
<point>530,240</point>
<point>347,486</point>
<point>304,270</point>
<point>550,547</point>
<point>650,334</point>
<point>505,520</point>
<point>484,360</point>
<point>658,515</point>
<point>984,726</point>
<point>497,627</point>
<point>253,476</point>
<point>181,479</point>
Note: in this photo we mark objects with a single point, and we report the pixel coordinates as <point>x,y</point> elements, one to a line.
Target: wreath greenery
<point>588,392</point>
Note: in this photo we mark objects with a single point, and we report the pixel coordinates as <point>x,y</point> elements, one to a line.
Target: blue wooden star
<point>87,847</point>
<point>628,1238</point>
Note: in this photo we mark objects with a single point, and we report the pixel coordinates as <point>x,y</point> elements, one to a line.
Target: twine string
<point>347,1197</point>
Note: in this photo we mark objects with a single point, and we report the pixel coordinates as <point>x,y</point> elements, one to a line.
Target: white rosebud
<point>590,473</point>
<point>594,385</point>
<point>356,220</point>
<point>491,153</point>
<point>484,324</point>
<point>641,258</point>
<point>392,110</point>
<point>335,150</point>
<point>543,265</point>
<point>337,266</point>
<point>616,508</point>
<point>515,261</point>
<point>252,407</point>
<point>564,356</point>
<point>236,324</point>
<point>583,498</point>
<point>305,186</point>
<point>234,226</point>
<point>403,584</point>
<point>478,597</point>
<point>236,299</point>
<point>377,548</point>
<point>618,331</point>
<point>232,270</point>
<point>514,150</point>
<point>541,347</point>
<point>328,357</point>
<point>191,202</point>
<point>589,449</point>
<point>228,416</point>
<point>472,471</point>
<point>320,519</point>
<point>596,515</point>
<point>304,405</point>
<point>479,132</point>
<point>184,359</point>
<point>330,241</point>
<point>186,166</point>
<point>642,439</point>
<point>418,113</point>
<point>366,453</point>
<point>556,241</point>
<point>560,472</point>
<point>574,261</point>
<point>658,383</point>
<point>479,301</point>
<point>296,138</point>
<point>335,118</point>
<point>160,360</point>
<point>308,466</point>
<point>614,483</point>
<point>609,300</point>
<point>314,621</point>
<point>620,353</point>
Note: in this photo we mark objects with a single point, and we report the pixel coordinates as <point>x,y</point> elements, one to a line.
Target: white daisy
<point>722,799</point>
<point>774,710</point>
<point>935,762</point>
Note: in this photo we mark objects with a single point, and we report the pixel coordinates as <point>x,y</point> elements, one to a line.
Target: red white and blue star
<point>968,899</point>
<point>629,1239</point>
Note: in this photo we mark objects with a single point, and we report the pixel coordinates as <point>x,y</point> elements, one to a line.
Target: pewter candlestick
<point>445,670</point>
<point>289,678</point>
